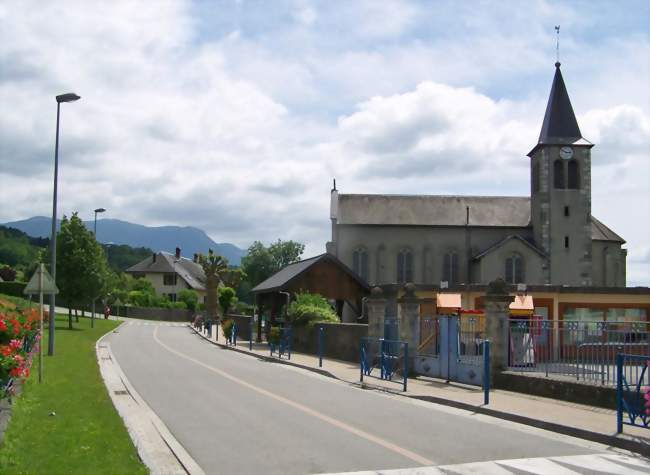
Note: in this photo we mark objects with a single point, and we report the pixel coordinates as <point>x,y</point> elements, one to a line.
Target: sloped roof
<point>284,276</point>
<point>188,270</point>
<point>503,241</point>
<point>600,232</point>
<point>560,125</point>
<point>432,210</point>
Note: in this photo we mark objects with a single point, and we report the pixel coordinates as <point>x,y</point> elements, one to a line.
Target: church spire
<point>560,125</point>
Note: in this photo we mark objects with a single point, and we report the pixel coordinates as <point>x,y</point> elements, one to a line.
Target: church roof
<point>432,210</point>
<point>435,210</point>
<point>600,232</point>
<point>497,245</point>
<point>560,125</point>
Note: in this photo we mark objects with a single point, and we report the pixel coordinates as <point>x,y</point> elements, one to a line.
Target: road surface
<point>235,413</point>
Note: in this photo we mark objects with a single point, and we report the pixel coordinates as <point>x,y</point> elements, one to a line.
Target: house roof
<point>503,241</point>
<point>285,275</point>
<point>600,232</point>
<point>166,263</point>
<point>432,210</point>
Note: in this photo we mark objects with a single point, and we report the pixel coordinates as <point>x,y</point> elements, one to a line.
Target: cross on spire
<point>557,44</point>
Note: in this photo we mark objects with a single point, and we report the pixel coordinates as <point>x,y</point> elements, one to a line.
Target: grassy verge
<point>86,435</point>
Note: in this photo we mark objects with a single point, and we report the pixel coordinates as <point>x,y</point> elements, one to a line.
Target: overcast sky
<point>234,116</point>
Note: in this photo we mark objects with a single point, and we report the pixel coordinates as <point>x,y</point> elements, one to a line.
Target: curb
<point>157,447</point>
<point>632,445</point>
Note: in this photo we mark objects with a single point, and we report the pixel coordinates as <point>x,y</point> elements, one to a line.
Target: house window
<point>360,263</point>
<point>558,174</point>
<point>574,175</point>
<point>169,279</point>
<point>405,266</point>
<point>515,269</point>
<point>450,268</point>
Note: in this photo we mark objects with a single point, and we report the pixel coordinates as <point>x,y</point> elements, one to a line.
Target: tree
<point>232,277</point>
<point>190,298</point>
<point>227,298</point>
<point>261,262</point>
<point>213,266</point>
<point>80,263</point>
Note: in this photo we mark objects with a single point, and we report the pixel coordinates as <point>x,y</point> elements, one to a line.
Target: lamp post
<point>69,97</point>
<point>98,210</point>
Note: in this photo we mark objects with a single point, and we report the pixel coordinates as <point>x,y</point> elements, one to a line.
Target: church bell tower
<point>560,167</point>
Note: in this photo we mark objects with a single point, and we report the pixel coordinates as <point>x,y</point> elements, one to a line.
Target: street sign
<point>35,287</point>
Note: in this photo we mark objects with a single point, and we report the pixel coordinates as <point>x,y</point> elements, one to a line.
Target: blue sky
<point>234,116</point>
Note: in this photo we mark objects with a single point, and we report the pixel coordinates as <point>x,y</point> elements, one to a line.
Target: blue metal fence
<point>632,391</point>
<point>283,347</point>
<point>390,357</point>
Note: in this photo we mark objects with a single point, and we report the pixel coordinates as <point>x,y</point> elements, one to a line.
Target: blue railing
<point>632,391</point>
<point>389,356</point>
<point>283,347</point>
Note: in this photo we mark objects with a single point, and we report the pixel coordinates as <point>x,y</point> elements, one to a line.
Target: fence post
<point>486,372</point>
<point>320,346</point>
<point>290,337</point>
<point>250,334</point>
<point>381,360</point>
<point>619,393</point>
<point>406,364</point>
<point>362,357</point>
<point>234,334</point>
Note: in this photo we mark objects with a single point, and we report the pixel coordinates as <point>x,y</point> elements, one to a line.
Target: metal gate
<point>451,348</point>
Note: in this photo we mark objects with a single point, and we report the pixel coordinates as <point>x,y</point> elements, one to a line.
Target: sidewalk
<point>578,420</point>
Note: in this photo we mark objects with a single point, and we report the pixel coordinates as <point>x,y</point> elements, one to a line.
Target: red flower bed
<point>19,339</point>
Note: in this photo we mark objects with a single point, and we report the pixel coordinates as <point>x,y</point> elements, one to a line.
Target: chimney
<point>178,253</point>
<point>153,257</point>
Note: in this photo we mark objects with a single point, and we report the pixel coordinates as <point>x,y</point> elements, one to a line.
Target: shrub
<point>243,308</point>
<point>226,328</point>
<point>190,298</point>
<point>8,274</point>
<point>308,309</point>
<point>274,335</point>
<point>179,305</point>
<point>227,297</point>
<point>14,289</point>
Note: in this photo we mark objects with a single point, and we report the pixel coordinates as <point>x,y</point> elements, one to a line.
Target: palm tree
<point>213,266</point>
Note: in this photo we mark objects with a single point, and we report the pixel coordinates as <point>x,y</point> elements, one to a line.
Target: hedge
<point>14,289</point>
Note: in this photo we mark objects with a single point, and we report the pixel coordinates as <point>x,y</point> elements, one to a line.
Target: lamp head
<point>100,210</point>
<point>69,97</point>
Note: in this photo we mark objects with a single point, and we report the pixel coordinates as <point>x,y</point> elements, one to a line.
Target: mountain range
<point>160,238</point>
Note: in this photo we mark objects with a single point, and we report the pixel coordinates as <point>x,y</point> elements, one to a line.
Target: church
<point>547,238</point>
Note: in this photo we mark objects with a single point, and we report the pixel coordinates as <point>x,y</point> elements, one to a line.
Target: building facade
<point>547,238</point>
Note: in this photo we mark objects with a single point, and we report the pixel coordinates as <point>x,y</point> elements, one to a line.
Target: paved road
<point>237,414</point>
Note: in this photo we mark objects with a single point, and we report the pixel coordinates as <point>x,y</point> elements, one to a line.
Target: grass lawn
<point>86,436</point>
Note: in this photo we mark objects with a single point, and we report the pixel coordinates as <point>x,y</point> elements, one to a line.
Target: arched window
<point>574,175</point>
<point>558,173</point>
<point>405,266</point>
<point>515,269</point>
<point>360,262</point>
<point>450,268</point>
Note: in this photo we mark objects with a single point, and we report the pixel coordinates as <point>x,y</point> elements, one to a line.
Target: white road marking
<point>605,463</point>
<point>301,407</point>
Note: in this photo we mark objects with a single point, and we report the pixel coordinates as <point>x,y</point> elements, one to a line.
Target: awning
<point>448,302</point>
<point>522,305</point>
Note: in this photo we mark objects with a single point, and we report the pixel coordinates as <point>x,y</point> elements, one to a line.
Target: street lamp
<point>98,210</point>
<point>69,97</point>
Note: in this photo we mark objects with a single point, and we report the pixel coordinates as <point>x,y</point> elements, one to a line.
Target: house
<point>547,238</point>
<point>171,273</point>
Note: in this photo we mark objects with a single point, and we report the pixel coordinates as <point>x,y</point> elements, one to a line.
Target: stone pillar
<point>409,319</point>
<point>497,312</point>
<point>376,305</point>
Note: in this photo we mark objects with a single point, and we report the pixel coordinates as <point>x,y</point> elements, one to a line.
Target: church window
<point>566,211</point>
<point>566,242</point>
<point>360,262</point>
<point>450,268</point>
<point>558,174</point>
<point>574,175</point>
<point>515,269</point>
<point>405,266</point>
